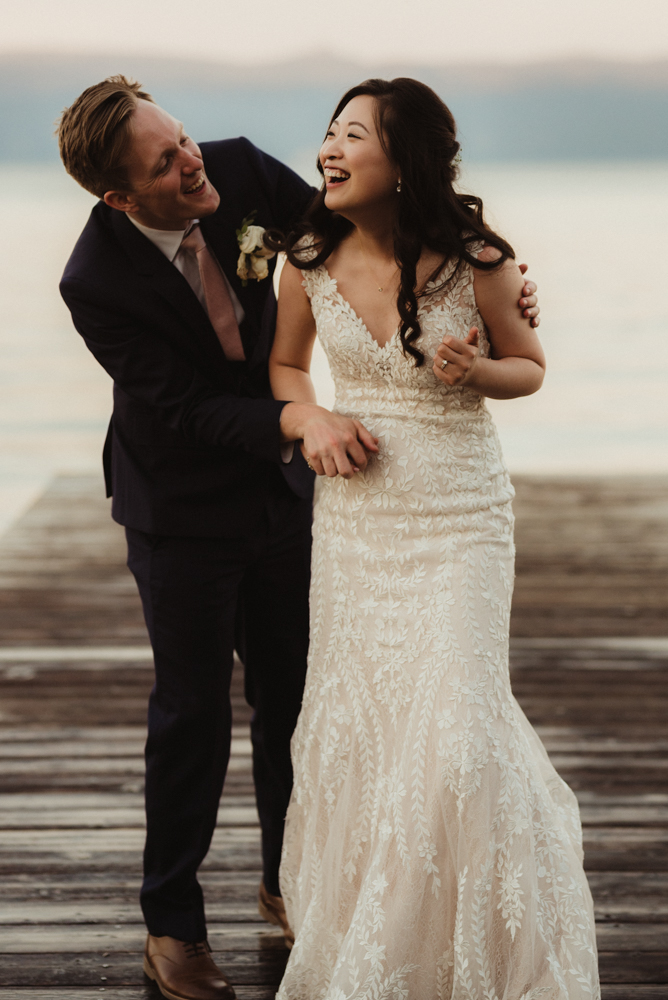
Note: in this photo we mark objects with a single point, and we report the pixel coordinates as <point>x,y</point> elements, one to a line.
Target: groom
<point>217,515</point>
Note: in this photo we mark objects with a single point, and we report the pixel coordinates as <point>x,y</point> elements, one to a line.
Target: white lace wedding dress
<point>431,850</point>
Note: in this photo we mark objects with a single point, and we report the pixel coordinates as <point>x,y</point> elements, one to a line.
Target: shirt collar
<point>166,240</point>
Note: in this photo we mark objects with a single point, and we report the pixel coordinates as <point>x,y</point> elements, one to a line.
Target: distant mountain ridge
<point>575,109</point>
<point>323,68</point>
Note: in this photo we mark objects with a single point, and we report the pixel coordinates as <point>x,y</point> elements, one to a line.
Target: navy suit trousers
<point>202,598</point>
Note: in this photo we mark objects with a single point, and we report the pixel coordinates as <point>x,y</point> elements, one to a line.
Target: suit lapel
<point>220,233</point>
<point>168,282</point>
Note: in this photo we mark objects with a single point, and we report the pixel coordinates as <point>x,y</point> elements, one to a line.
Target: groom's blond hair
<point>94,134</point>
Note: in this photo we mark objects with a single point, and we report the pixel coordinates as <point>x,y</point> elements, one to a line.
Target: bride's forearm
<point>505,378</point>
<point>291,383</point>
<point>294,384</point>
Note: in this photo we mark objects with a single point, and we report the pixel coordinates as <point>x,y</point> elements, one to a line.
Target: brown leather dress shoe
<point>272,909</point>
<point>184,970</point>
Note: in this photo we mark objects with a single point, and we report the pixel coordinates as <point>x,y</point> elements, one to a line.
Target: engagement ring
<point>443,364</point>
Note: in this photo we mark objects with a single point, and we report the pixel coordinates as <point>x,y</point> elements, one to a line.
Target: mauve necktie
<point>218,302</point>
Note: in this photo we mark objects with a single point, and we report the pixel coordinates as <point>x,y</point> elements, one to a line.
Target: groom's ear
<point>123,201</point>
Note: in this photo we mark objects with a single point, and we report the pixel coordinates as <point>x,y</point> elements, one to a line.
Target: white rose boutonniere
<point>252,263</point>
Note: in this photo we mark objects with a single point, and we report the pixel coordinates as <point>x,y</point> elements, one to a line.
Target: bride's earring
<point>399,185</point>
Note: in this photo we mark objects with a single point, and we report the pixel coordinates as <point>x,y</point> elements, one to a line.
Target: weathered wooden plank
<point>614,991</point>
<point>257,969</point>
<point>627,815</point>
<point>122,887</point>
<point>102,912</point>
<point>100,704</point>
<point>87,734</point>
<point>139,993</point>
<point>621,884</point>
<point>238,780</point>
<point>632,937</point>
<point>106,819</point>
<point>88,657</point>
<point>29,802</point>
<point>585,646</point>
<point>243,856</point>
<point>91,749</point>
<point>639,848</point>
<point>633,967</point>
<point>92,765</point>
<point>114,850</point>
<point>64,765</point>
<point>614,762</point>
<point>636,909</point>
<point>238,937</point>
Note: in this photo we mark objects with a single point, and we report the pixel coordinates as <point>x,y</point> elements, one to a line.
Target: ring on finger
<point>443,365</point>
<point>308,462</point>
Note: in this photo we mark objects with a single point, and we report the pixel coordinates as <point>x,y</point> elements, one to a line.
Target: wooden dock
<point>590,668</point>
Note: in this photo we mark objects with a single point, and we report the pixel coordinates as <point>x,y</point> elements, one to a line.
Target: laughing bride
<point>431,850</point>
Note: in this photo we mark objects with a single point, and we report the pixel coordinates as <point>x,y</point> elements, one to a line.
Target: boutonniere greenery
<point>252,264</point>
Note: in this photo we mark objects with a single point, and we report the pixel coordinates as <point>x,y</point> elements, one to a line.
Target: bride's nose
<point>331,149</point>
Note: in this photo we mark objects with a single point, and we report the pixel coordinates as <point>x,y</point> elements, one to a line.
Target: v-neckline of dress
<point>353,312</point>
<point>356,316</point>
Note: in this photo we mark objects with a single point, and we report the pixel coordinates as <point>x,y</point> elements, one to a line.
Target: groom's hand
<point>332,444</point>
<point>529,301</point>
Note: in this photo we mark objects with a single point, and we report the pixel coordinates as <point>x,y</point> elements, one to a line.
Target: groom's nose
<point>191,163</point>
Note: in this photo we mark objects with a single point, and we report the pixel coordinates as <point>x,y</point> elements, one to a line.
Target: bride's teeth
<point>195,186</point>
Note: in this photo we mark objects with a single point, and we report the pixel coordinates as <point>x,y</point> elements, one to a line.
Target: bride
<point>431,850</point>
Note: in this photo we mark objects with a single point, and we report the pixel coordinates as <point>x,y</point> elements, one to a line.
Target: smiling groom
<point>218,526</point>
<point>171,289</point>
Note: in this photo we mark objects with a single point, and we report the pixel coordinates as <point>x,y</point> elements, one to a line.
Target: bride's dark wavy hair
<point>418,134</point>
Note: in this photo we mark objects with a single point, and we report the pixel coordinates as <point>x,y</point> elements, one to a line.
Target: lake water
<point>592,235</point>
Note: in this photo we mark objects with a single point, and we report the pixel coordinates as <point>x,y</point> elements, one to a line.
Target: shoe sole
<point>272,918</point>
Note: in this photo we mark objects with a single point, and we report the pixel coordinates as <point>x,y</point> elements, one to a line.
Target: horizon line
<point>320,54</point>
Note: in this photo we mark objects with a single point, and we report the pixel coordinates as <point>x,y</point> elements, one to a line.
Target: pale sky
<point>363,30</point>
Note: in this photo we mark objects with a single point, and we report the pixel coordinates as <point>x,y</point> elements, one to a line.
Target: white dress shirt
<point>169,242</point>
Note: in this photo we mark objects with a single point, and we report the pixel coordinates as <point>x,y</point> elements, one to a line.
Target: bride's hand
<point>455,359</point>
<point>334,445</point>
<point>529,301</point>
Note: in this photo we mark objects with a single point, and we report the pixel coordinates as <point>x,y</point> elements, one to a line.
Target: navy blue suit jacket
<point>194,444</point>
